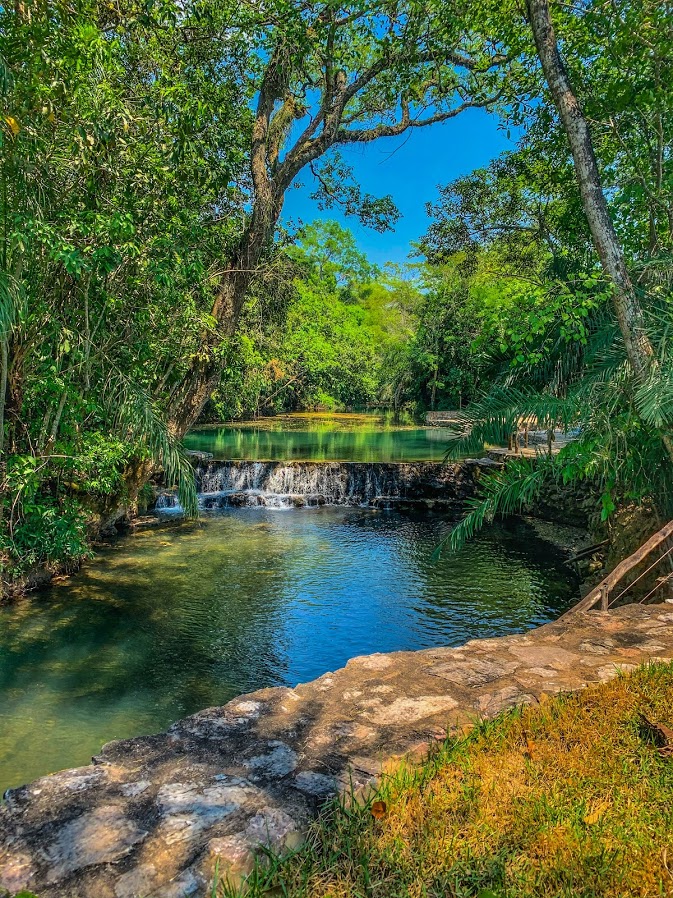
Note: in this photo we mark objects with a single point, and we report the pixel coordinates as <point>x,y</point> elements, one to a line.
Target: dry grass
<point>568,798</point>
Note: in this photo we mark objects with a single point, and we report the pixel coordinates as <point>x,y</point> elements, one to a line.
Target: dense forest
<point>147,282</point>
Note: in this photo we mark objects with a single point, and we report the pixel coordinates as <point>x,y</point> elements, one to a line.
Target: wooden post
<point>605,596</point>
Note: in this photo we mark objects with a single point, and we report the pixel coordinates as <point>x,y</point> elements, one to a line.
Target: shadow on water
<point>168,622</point>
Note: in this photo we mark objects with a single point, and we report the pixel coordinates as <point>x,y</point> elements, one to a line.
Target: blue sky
<point>410,168</point>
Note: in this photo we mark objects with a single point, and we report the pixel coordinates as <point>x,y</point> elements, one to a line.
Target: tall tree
<point>627,307</point>
<point>335,74</point>
<point>122,139</point>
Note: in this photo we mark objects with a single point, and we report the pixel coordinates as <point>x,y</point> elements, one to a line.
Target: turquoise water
<point>323,437</point>
<point>170,621</point>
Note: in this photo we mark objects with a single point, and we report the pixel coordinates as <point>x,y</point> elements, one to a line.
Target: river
<point>323,437</point>
<point>166,622</point>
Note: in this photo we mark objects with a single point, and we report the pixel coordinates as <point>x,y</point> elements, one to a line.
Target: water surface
<point>323,437</point>
<point>167,622</point>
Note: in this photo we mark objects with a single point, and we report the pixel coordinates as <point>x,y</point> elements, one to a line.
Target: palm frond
<point>498,413</point>
<point>507,491</point>
<point>654,398</point>
<point>137,419</point>
<point>10,304</point>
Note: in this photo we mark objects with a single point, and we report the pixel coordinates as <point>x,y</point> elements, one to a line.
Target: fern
<point>589,389</point>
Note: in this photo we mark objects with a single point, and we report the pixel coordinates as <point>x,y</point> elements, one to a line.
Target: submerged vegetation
<point>148,284</point>
<point>571,797</point>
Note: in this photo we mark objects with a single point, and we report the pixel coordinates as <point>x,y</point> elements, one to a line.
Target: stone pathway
<point>150,817</point>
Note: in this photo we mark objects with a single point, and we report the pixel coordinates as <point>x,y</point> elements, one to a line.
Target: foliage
<point>41,528</point>
<point>329,254</point>
<point>509,491</point>
<point>562,362</point>
<point>616,445</point>
<point>116,187</point>
<point>328,341</point>
<point>134,194</point>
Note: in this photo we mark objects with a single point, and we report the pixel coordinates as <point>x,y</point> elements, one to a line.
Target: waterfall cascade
<point>284,484</point>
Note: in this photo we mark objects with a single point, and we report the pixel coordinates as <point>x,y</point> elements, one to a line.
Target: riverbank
<point>153,816</point>
<point>571,797</point>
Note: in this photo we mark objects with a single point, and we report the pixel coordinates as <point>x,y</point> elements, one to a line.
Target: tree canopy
<point>146,152</point>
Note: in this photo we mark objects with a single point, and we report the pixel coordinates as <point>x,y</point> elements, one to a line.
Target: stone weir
<point>151,817</point>
<point>279,484</point>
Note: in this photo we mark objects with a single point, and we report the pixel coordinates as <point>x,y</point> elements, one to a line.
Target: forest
<point>148,282</point>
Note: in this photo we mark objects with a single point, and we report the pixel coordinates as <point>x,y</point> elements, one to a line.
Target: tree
<point>639,349</point>
<point>331,252</point>
<point>122,138</point>
<point>323,340</point>
<point>336,74</point>
<point>571,362</point>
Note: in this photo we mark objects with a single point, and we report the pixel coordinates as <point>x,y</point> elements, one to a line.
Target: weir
<point>285,484</point>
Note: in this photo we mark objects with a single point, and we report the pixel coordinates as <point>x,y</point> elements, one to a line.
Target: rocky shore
<point>151,817</point>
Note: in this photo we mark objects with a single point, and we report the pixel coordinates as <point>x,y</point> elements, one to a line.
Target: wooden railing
<point>603,592</point>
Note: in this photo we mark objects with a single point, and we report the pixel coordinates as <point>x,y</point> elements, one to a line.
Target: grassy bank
<point>572,797</point>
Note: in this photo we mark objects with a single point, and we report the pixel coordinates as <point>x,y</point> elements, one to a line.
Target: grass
<point>567,798</point>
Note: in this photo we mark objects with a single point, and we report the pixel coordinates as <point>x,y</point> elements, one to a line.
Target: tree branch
<point>364,135</point>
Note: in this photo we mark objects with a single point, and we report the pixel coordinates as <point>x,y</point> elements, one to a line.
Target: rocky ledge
<point>152,816</point>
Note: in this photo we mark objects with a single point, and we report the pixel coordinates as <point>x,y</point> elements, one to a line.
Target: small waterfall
<point>285,484</point>
<point>165,501</point>
<point>300,483</point>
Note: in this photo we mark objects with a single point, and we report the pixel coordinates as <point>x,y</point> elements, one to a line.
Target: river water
<point>323,437</point>
<point>167,622</point>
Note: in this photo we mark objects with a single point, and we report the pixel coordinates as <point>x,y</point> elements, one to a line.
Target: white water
<point>280,485</point>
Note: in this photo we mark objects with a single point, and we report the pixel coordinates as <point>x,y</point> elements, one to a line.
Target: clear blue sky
<point>409,168</point>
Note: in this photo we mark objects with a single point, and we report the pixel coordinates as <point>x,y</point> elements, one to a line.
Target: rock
<point>492,703</point>
<point>474,672</point>
<point>278,761</point>
<point>198,456</point>
<point>155,816</point>
<point>411,710</point>
<point>316,783</point>
<point>16,873</point>
<point>104,835</point>
<point>140,880</point>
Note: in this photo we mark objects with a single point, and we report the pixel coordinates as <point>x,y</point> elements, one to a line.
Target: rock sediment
<point>152,816</point>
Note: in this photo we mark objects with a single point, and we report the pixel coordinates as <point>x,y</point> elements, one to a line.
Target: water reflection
<point>323,437</point>
<point>165,623</point>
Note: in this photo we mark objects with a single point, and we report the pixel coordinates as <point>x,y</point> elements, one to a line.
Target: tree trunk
<point>13,419</point>
<point>201,379</point>
<point>4,366</point>
<point>629,314</point>
<point>639,350</point>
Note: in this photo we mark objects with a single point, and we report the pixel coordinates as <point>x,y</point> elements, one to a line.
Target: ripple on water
<point>165,623</point>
